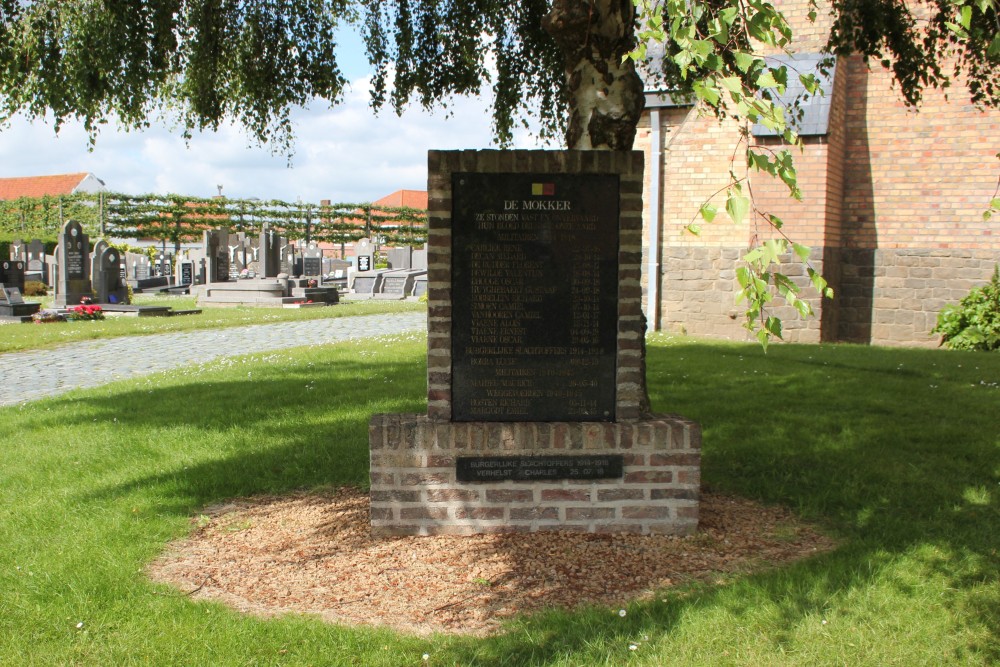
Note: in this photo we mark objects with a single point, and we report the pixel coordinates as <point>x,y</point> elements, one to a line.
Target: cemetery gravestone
<point>37,261</point>
<point>12,274</point>
<point>18,251</point>
<point>312,261</point>
<point>74,263</point>
<point>400,258</point>
<point>286,256</point>
<point>215,242</point>
<point>364,255</point>
<point>537,414</point>
<point>269,257</point>
<point>107,278</point>
<point>95,259</point>
<point>185,272</point>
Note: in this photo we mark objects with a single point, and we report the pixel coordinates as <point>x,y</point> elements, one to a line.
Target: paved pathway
<point>26,376</point>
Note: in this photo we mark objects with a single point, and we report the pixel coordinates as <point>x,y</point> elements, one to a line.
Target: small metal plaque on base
<point>542,468</point>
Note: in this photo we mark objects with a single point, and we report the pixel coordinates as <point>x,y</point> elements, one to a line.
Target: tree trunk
<point>606,94</point>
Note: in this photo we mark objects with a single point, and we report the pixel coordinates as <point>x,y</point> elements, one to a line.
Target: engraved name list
<point>534,294</point>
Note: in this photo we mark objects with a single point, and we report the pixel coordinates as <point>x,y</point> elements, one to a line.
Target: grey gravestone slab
<point>394,285</point>
<point>535,296</point>
<point>38,261</point>
<point>400,258</point>
<point>420,286</point>
<point>215,242</point>
<point>420,258</point>
<point>73,259</point>
<point>364,284</point>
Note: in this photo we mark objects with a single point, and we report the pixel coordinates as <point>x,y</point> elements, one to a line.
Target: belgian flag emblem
<point>543,189</point>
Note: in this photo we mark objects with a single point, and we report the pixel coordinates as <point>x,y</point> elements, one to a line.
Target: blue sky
<point>346,154</point>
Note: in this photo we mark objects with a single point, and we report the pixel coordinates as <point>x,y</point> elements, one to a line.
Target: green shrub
<point>35,288</point>
<point>974,324</point>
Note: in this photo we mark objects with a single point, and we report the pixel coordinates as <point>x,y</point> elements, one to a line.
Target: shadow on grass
<point>288,429</point>
<point>896,452</point>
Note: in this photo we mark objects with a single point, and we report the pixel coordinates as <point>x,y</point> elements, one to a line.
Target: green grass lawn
<point>14,337</point>
<point>894,452</point>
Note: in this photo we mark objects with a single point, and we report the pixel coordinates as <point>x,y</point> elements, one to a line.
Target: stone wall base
<point>414,489</point>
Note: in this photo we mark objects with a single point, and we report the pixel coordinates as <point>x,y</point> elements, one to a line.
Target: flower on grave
<point>46,317</point>
<point>309,301</point>
<point>86,312</point>
<point>86,300</point>
<point>312,283</point>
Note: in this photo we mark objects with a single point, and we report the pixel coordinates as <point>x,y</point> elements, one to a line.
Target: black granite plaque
<point>364,262</point>
<point>222,267</point>
<point>534,297</point>
<point>312,266</point>
<point>542,468</point>
<point>187,273</point>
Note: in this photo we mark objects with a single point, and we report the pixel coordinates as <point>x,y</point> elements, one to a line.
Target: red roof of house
<point>405,198</point>
<point>39,186</point>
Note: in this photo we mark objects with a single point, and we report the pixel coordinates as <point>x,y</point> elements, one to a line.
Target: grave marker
<point>537,416</point>
<point>73,260</point>
<point>312,261</point>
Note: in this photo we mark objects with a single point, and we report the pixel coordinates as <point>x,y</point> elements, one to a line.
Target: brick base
<point>414,490</point>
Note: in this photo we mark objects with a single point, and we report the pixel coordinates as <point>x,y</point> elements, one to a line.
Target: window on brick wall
<point>812,117</point>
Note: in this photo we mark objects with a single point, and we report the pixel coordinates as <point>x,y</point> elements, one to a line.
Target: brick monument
<point>537,415</point>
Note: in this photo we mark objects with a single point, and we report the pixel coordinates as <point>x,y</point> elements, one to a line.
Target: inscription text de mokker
<point>536,205</point>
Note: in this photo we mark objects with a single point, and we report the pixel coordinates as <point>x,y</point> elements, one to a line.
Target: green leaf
<point>737,206</point>
<point>707,212</point>
<point>773,326</point>
<point>743,276</point>
<point>744,60</point>
<point>766,79</point>
<point>708,94</point>
<point>802,251</point>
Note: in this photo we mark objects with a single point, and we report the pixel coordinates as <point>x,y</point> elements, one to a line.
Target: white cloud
<point>345,153</point>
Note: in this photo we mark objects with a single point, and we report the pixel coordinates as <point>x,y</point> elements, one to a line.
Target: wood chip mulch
<point>312,554</point>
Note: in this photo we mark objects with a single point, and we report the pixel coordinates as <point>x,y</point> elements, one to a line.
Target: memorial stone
<point>400,258</point>
<point>215,243</point>
<point>420,259</point>
<point>269,257</point>
<point>364,255</point>
<point>286,255</point>
<point>534,281</point>
<point>18,251</point>
<point>12,274</point>
<point>108,283</point>
<point>38,261</point>
<point>537,416</point>
<point>184,272</point>
<point>74,265</point>
<point>312,261</point>
<point>95,259</point>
